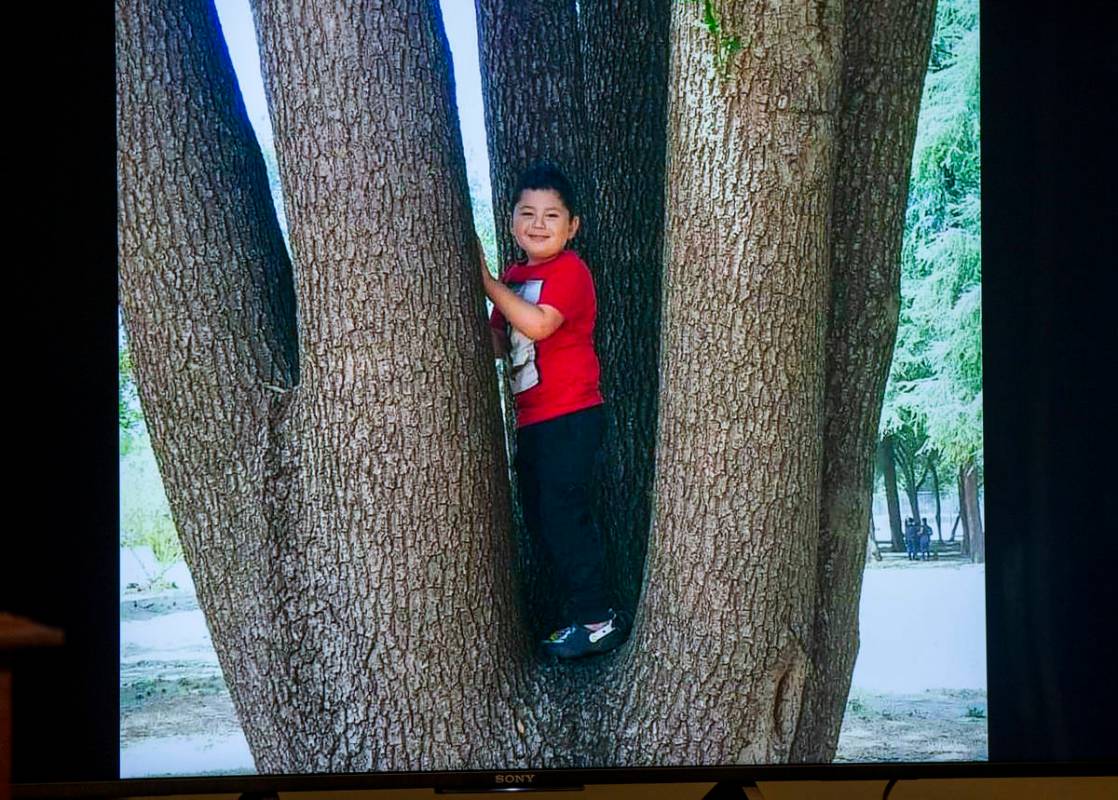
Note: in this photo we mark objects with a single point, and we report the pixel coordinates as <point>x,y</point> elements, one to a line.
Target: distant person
<point>925,539</point>
<point>910,537</point>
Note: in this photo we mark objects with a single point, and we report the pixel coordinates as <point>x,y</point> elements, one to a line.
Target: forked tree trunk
<point>346,520</point>
<point>885,46</point>
<point>349,534</point>
<point>888,468</point>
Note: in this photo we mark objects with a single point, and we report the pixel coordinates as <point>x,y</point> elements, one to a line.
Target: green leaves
<point>129,416</point>
<point>725,45</point>
<point>935,384</point>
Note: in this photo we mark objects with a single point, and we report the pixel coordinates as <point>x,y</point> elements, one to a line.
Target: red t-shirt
<point>557,375</point>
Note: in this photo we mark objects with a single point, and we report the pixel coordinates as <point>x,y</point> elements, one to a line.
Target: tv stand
<point>732,790</point>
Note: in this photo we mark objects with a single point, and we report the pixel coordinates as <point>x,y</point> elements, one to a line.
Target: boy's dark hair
<point>547,176</point>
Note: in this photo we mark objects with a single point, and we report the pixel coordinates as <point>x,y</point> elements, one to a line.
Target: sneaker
<point>575,641</point>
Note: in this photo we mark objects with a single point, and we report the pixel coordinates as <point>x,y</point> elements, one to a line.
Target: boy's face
<point>542,224</point>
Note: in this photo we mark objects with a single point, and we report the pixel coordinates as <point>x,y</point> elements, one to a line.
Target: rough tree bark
<point>207,297</point>
<point>747,248</point>
<point>531,80</point>
<point>347,532</point>
<point>337,474</point>
<point>605,126</point>
<point>885,45</point>
<point>625,65</point>
<point>888,467</point>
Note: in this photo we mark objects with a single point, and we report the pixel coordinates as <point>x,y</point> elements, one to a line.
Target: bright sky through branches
<point>461,31</point>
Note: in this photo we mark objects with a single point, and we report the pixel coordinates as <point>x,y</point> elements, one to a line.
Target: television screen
<point>527,386</point>
<point>323,556</point>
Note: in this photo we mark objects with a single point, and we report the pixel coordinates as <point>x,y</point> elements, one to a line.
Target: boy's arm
<point>534,321</point>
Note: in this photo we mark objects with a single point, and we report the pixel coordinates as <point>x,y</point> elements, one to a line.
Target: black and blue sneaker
<point>576,641</point>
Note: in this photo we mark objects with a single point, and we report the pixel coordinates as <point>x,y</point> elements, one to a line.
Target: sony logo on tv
<point>511,778</point>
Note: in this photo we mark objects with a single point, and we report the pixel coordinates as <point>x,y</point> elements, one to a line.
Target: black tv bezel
<point>1034,152</point>
<point>484,781</point>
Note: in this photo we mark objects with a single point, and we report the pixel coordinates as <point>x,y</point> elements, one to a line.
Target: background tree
<point>887,467</point>
<point>909,443</point>
<point>933,471</point>
<point>934,397</point>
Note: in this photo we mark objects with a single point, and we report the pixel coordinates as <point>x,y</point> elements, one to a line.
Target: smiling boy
<point>546,302</point>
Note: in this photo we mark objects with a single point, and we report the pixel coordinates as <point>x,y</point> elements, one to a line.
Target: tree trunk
<point>732,556</point>
<point>531,81</point>
<point>905,457</point>
<point>337,474</point>
<point>888,468</point>
<point>885,46</point>
<point>965,548</point>
<point>625,61</point>
<point>348,534</point>
<point>939,509</point>
<point>975,534</point>
<point>873,548</point>
<point>615,157</point>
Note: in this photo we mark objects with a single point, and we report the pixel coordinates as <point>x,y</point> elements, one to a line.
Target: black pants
<point>555,470</point>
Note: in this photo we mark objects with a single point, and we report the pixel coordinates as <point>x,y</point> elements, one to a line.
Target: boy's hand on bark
<point>486,277</point>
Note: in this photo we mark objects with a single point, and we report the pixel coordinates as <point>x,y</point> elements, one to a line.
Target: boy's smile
<point>542,224</point>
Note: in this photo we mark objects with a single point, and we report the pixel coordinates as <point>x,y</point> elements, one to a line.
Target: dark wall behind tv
<point>60,239</point>
<point>1049,84</point>
<point>1048,88</point>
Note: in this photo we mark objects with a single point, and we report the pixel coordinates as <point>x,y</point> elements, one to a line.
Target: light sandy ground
<point>918,691</point>
<point>923,625</point>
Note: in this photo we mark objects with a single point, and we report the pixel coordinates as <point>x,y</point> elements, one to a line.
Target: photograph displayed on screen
<point>548,385</point>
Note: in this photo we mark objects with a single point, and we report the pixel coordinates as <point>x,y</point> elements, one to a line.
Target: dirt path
<point>936,725</point>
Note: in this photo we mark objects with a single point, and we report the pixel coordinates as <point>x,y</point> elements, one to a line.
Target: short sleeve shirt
<point>560,374</point>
